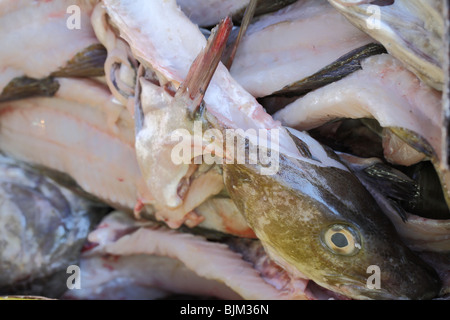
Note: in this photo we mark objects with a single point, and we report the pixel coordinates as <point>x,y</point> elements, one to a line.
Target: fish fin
<point>392,182</point>
<point>414,140</point>
<point>193,89</point>
<point>248,16</point>
<point>89,62</point>
<point>335,71</point>
<point>399,209</point>
<point>25,87</point>
<point>397,187</point>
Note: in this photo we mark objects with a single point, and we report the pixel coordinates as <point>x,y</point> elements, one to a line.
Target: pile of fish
<point>116,162</point>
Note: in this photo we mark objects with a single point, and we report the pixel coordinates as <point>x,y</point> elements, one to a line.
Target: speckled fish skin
<point>42,230</point>
<point>290,211</point>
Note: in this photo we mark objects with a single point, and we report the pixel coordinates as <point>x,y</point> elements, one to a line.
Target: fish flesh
<point>318,35</point>
<point>40,27</point>
<point>384,90</point>
<point>96,134</point>
<point>300,155</point>
<point>217,270</point>
<point>209,13</point>
<point>420,47</point>
<point>113,136</point>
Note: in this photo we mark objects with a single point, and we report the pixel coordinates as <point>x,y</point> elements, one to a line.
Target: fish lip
<point>355,289</point>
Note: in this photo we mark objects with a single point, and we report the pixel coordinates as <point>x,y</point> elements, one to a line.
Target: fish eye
<point>341,239</point>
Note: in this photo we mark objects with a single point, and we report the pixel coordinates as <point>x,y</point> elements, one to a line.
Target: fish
<point>420,48</point>
<point>161,94</point>
<point>383,82</point>
<point>41,27</point>
<point>211,14</point>
<point>119,125</point>
<point>121,250</point>
<point>308,205</point>
<point>43,228</point>
<point>99,133</point>
<point>292,44</point>
<point>307,169</point>
<point>390,186</point>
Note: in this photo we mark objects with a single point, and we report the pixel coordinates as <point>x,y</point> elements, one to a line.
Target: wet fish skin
<point>420,233</point>
<point>25,87</point>
<point>411,30</point>
<point>43,228</point>
<point>431,201</point>
<point>291,210</point>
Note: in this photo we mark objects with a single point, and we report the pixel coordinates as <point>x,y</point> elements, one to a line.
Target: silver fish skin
<point>411,30</point>
<point>43,228</point>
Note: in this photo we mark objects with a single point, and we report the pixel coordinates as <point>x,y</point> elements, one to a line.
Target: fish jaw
<point>403,275</point>
<point>290,212</point>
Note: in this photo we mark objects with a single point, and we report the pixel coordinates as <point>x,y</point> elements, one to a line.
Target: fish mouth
<point>360,292</point>
<point>355,289</point>
<point>387,290</point>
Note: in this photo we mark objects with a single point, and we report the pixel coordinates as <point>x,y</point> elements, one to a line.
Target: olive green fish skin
<point>25,87</point>
<point>290,211</point>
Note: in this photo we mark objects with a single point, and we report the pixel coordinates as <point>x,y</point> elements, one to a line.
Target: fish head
<point>361,256</point>
<point>322,223</point>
